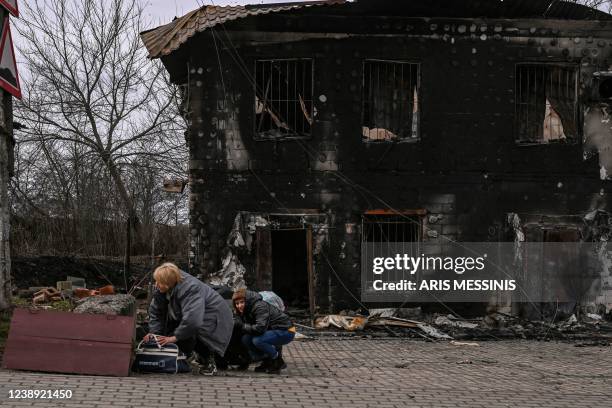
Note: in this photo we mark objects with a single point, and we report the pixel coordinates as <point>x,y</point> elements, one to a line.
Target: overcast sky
<point>163,11</point>
<point>159,12</point>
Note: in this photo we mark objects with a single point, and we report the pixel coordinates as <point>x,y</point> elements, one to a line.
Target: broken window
<point>390,101</point>
<point>605,88</point>
<point>283,98</point>
<point>546,103</point>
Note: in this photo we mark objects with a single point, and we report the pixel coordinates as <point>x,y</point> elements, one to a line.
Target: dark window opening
<point>390,101</point>
<point>283,98</point>
<point>392,228</point>
<point>605,88</point>
<point>290,267</point>
<point>546,103</point>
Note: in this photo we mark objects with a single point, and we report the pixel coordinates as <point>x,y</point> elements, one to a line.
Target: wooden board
<point>65,342</point>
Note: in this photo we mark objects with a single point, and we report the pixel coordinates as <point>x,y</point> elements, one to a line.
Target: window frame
<point>576,139</point>
<point>409,139</point>
<point>379,218</point>
<point>257,135</point>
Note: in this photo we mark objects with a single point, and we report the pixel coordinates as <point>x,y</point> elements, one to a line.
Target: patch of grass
<point>62,305</point>
<point>21,302</point>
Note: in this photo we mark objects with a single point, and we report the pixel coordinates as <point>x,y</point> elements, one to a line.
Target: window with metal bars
<point>392,228</point>
<point>547,108</point>
<point>391,104</point>
<point>283,98</point>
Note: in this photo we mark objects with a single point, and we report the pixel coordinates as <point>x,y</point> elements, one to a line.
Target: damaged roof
<point>164,40</point>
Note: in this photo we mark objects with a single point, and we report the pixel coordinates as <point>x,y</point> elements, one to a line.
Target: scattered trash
<point>64,285</point>
<point>349,323</point>
<point>302,337</point>
<point>390,312</point>
<point>433,332</point>
<point>107,290</point>
<point>571,320</point>
<point>392,321</point>
<point>464,343</point>
<point>47,295</point>
<point>402,312</point>
<point>594,316</point>
<point>303,326</point>
<point>82,293</point>
<point>354,323</point>
<point>77,282</point>
<point>477,361</point>
<point>447,321</point>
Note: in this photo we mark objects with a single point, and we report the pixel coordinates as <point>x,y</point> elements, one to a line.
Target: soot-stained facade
<point>316,126</point>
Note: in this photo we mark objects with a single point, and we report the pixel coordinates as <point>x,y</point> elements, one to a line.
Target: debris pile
<point>73,295</point>
<point>358,323</point>
<point>590,329</point>
<point>72,287</point>
<point>116,305</point>
<point>47,295</point>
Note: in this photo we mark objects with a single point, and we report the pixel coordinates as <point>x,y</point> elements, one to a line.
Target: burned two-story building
<point>317,126</point>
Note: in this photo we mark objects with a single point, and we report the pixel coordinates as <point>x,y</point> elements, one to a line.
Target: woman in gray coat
<point>186,311</point>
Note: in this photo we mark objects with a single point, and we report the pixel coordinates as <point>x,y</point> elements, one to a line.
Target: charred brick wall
<point>466,169</point>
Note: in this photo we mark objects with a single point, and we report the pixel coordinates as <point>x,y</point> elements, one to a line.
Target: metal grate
<point>283,98</point>
<point>391,228</point>
<point>546,103</point>
<point>383,235</point>
<point>390,101</point>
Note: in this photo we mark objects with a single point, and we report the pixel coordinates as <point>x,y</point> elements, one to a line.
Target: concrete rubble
<point>117,305</point>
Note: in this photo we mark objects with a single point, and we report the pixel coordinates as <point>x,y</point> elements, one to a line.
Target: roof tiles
<point>164,40</point>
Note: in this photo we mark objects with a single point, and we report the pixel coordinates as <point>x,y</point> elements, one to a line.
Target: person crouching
<point>265,329</point>
<point>191,314</point>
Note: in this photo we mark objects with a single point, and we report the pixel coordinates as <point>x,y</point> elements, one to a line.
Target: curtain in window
<point>561,93</point>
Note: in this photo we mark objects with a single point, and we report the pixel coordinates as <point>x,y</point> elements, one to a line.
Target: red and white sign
<point>9,77</point>
<point>11,6</point>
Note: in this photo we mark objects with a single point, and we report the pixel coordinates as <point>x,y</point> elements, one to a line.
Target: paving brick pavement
<point>361,372</point>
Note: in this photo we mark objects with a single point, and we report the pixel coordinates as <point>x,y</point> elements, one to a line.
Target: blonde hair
<point>167,274</point>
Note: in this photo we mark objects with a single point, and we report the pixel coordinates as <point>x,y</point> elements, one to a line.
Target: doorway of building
<point>290,267</point>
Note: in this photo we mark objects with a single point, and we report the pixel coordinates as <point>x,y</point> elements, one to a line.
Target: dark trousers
<point>266,345</point>
<point>190,345</point>
<point>236,353</point>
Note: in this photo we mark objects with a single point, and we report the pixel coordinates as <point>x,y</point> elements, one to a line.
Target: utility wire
<point>243,67</point>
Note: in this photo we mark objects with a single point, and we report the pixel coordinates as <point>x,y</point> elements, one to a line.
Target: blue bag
<point>151,357</point>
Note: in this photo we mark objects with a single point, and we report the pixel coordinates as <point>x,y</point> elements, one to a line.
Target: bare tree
<point>603,5</point>
<point>6,149</point>
<point>91,86</point>
<point>102,129</point>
